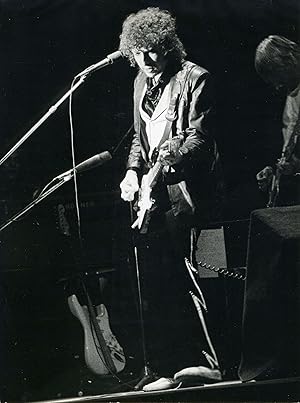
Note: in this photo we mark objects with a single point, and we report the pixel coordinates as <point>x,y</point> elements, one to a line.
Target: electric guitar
<point>286,155</point>
<point>103,354</point>
<point>145,201</point>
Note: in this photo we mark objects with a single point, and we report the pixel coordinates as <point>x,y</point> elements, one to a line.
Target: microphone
<point>103,63</point>
<point>92,162</point>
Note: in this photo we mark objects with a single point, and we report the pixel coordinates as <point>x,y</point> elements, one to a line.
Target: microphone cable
<point>78,218</point>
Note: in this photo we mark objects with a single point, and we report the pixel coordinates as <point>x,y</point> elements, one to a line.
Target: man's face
<point>284,80</point>
<point>151,62</point>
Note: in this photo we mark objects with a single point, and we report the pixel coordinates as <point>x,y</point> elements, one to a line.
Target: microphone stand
<point>147,374</point>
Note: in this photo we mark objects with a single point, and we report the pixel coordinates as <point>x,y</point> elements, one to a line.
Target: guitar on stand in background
<point>103,354</point>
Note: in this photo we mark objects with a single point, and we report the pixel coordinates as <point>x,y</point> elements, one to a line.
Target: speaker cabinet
<point>271,317</point>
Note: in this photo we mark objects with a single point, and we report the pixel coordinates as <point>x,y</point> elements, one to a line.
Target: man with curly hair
<point>174,153</point>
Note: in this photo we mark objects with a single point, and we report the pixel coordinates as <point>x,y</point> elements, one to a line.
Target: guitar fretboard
<point>154,173</point>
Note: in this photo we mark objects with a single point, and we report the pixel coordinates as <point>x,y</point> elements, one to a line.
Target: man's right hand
<point>129,185</point>
<point>264,178</point>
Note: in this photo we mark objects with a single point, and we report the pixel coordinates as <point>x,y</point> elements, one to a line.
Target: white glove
<point>129,185</point>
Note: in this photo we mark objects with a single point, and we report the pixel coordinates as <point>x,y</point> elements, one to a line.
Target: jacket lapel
<point>174,91</point>
<point>140,83</point>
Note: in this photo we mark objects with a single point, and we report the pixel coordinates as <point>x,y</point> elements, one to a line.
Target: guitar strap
<point>176,91</point>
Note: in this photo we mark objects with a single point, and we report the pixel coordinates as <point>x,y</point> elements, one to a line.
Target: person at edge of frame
<point>277,61</point>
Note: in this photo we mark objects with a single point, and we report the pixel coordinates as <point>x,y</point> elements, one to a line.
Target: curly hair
<point>277,56</point>
<point>151,28</point>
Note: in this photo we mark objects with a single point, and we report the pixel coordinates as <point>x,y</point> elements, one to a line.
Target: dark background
<point>43,44</point>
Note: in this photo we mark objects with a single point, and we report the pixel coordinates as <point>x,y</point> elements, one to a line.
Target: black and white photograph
<point>149,205</point>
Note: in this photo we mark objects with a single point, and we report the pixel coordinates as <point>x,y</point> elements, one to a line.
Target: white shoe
<point>198,375</point>
<point>161,384</point>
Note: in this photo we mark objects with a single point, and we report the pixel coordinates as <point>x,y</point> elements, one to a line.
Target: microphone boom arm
<point>81,77</point>
<point>35,202</point>
<point>51,110</point>
<point>98,159</point>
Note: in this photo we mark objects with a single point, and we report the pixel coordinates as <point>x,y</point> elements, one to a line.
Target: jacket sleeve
<point>197,111</point>
<point>134,158</point>
<point>135,155</point>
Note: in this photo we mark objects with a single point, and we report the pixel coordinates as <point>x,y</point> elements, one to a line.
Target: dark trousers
<point>173,333</point>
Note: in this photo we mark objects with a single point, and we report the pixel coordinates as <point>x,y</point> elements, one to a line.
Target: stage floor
<point>287,390</point>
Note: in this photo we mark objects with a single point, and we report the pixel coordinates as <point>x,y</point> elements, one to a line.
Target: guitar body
<point>145,201</point>
<point>145,204</point>
<point>287,193</point>
<point>94,356</point>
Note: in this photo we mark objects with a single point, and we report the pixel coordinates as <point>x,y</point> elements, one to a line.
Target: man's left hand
<point>168,154</point>
<point>291,167</point>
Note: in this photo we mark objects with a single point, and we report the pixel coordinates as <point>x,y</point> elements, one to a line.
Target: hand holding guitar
<point>290,167</point>
<point>264,178</point>
<point>169,153</point>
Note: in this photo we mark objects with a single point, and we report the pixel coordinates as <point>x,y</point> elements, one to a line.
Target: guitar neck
<point>274,189</point>
<point>286,155</point>
<point>154,173</point>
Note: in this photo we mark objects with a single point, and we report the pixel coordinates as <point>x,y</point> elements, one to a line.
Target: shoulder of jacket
<point>192,71</point>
